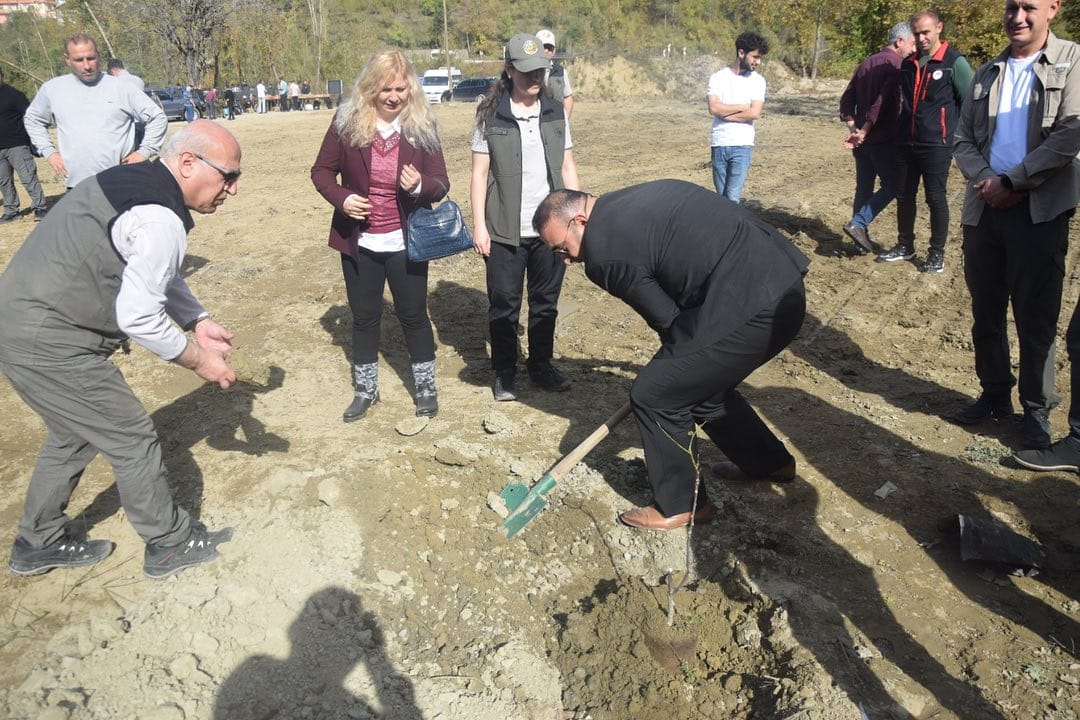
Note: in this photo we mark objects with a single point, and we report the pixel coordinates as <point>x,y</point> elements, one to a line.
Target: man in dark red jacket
<point>724,292</point>
<point>933,84</point>
<point>871,106</point>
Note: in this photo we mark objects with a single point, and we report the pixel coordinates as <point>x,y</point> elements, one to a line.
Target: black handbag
<point>437,232</point>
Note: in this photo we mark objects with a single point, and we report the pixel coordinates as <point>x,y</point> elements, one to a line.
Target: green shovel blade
<point>524,503</point>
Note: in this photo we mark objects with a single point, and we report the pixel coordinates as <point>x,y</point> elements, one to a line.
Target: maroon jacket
<point>353,165</point>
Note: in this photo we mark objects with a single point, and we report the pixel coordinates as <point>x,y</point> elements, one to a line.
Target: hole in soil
<point>619,658</point>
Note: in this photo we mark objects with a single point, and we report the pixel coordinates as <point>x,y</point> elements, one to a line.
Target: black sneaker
<point>1062,455</point>
<point>39,214</point>
<point>897,252</point>
<point>1035,432</point>
<point>161,561</point>
<point>934,263</point>
<point>986,407</point>
<point>505,389</point>
<point>66,552</point>
<point>547,377</point>
<point>8,217</point>
<point>861,237</point>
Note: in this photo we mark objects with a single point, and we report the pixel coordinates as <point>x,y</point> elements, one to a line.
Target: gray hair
<point>899,31</point>
<point>188,139</point>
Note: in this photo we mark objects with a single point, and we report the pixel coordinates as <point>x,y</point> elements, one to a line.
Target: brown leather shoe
<point>731,472</point>
<point>650,517</point>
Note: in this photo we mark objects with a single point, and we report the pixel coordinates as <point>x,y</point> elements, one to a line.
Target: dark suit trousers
<point>1007,258</point>
<point>507,268</point>
<point>930,164</point>
<point>671,394</point>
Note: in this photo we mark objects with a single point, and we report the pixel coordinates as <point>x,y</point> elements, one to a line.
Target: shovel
<point>524,503</point>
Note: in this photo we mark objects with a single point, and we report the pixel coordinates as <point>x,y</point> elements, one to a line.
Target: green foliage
<point>270,39</point>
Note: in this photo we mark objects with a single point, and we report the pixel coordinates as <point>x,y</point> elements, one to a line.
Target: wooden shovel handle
<point>572,458</point>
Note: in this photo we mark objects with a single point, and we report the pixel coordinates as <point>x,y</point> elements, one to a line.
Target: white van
<point>438,83</point>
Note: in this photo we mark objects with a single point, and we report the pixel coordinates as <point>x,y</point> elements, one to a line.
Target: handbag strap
<point>446,190</point>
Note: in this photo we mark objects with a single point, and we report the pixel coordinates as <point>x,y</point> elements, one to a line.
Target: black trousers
<point>1007,258</point>
<point>929,163</point>
<point>364,282</point>
<point>671,394</point>
<point>507,268</point>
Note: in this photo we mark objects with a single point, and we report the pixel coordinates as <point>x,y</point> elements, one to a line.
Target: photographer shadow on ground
<point>330,637</point>
<point>223,418</point>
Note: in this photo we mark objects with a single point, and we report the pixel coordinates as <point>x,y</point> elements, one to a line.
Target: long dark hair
<point>485,111</point>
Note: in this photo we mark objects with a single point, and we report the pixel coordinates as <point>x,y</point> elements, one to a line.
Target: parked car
<point>474,89</point>
<point>438,84</point>
<point>173,104</point>
<point>173,107</point>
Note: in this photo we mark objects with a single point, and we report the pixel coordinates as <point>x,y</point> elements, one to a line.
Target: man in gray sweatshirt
<point>95,117</point>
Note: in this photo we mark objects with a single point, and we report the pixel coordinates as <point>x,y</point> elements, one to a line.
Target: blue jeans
<point>730,166</point>
<point>874,161</point>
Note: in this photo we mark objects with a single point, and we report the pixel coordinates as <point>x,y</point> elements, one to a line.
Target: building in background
<point>41,8</point>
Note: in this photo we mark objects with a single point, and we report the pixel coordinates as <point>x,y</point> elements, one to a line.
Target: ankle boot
<point>366,391</point>
<point>427,401</point>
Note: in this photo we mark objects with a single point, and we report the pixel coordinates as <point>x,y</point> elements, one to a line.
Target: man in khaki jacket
<point>1017,145</point>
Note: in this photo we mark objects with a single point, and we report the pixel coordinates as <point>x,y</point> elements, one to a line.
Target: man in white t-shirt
<point>736,96</point>
<point>260,94</point>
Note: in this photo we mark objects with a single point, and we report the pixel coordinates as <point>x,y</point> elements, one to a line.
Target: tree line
<point>218,42</point>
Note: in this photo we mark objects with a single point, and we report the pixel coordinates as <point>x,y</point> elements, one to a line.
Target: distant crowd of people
<point>722,289</point>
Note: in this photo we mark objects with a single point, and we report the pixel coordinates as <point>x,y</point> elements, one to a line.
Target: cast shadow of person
<point>330,637</point>
<point>829,242</point>
<point>601,386</point>
<point>833,352</point>
<point>223,418</point>
<point>337,322</point>
<point>459,317</point>
<point>851,584</point>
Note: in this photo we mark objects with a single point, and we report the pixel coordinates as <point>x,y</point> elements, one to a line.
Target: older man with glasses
<point>103,267</point>
<point>723,291</point>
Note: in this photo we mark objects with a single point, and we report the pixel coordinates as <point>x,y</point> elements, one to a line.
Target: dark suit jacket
<point>694,264</point>
<point>353,165</point>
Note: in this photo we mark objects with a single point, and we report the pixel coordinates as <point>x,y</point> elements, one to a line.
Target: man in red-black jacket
<point>933,83</point>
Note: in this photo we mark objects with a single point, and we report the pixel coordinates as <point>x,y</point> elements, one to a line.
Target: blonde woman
<point>382,159</point>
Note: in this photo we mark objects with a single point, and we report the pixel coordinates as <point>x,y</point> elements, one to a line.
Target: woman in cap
<point>521,152</point>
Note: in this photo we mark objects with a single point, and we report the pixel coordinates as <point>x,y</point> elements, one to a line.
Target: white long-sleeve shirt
<point>152,241</point>
<point>95,124</point>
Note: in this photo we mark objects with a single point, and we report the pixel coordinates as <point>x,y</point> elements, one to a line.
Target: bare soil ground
<point>368,576</point>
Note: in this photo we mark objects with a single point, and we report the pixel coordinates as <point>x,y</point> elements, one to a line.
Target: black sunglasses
<point>229,176</point>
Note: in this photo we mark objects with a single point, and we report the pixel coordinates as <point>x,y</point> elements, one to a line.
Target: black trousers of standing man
<point>674,392</point>
<point>1008,259</point>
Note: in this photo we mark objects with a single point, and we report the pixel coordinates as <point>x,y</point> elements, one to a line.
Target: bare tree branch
<point>191,28</point>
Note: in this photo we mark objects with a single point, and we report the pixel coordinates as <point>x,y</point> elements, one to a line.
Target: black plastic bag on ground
<point>990,541</point>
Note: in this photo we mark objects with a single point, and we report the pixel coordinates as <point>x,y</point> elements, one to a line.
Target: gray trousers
<point>19,159</point>
<point>88,408</point>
